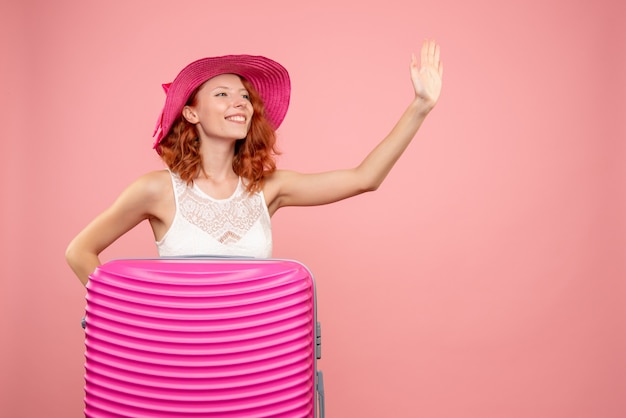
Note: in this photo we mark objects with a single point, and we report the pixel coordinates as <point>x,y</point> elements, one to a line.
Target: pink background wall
<point>484,279</point>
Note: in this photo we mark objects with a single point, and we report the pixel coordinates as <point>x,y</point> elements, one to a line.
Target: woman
<point>216,135</point>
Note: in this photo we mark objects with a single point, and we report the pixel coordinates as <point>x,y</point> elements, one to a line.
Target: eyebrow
<point>228,88</point>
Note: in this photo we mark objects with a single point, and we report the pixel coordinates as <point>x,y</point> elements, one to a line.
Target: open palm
<point>428,74</point>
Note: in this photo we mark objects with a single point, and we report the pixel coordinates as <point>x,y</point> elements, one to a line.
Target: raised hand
<point>427,74</point>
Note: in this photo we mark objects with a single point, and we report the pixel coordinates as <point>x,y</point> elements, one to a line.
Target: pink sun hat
<point>268,77</point>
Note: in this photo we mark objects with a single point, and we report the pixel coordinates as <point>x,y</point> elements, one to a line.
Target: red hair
<point>254,155</point>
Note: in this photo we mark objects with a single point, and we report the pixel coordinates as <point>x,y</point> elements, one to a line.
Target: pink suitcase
<point>202,337</point>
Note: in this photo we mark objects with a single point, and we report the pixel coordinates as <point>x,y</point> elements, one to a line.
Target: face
<point>221,109</point>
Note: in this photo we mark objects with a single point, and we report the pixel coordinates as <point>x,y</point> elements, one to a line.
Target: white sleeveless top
<point>236,226</point>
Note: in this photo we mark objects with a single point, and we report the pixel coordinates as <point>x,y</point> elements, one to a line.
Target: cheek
<point>251,116</point>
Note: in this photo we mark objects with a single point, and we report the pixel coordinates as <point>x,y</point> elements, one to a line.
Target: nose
<point>241,102</point>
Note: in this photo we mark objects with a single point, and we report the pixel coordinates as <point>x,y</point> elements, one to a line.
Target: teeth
<point>237,118</point>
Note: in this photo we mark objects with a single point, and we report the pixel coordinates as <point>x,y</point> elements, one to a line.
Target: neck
<point>217,160</point>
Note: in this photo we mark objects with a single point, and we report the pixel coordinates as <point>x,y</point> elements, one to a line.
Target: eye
<point>246,96</point>
<point>221,94</point>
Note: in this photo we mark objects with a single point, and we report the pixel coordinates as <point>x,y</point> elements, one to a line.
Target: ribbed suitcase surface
<point>201,338</point>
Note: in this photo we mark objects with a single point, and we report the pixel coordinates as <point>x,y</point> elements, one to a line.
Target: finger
<point>432,53</point>
<point>432,45</point>
<point>438,63</point>
<point>424,53</point>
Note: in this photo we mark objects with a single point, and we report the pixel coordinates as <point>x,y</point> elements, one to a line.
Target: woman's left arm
<point>289,188</point>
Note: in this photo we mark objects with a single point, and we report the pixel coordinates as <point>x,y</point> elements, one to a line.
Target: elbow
<point>371,185</point>
<point>81,262</point>
<point>368,189</point>
<point>71,257</point>
<point>76,256</point>
<point>369,180</point>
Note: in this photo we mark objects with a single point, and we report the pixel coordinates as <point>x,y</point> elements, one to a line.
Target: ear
<point>190,115</point>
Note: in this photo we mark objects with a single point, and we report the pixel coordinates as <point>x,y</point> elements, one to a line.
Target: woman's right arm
<point>139,201</point>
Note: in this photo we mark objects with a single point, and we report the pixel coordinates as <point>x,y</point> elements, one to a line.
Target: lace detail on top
<point>225,220</point>
<point>238,225</point>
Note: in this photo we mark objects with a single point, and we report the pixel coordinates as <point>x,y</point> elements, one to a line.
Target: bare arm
<point>140,201</point>
<point>288,188</point>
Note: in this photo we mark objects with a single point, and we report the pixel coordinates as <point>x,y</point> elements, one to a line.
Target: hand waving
<point>427,76</point>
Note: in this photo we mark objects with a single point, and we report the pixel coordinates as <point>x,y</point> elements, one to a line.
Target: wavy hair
<point>254,158</point>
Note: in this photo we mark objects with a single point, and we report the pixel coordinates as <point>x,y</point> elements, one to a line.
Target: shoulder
<point>157,179</point>
<point>274,180</point>
<point>149,196</point>
<point>275,186</point>
<point>279,177</point>
<point>152,186</point>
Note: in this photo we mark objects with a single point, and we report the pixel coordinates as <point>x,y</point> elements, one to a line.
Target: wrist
<point>421,107</point>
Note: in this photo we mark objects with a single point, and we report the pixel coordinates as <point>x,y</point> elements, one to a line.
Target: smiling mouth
<point>236,118</point>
